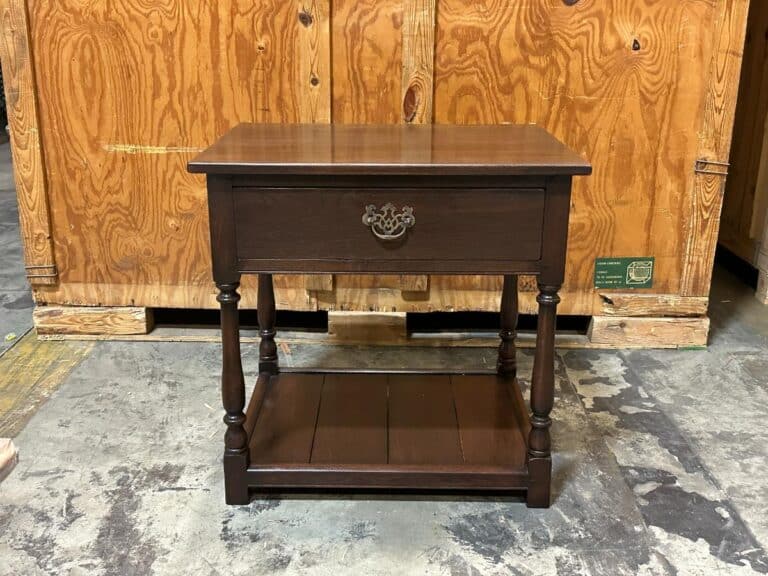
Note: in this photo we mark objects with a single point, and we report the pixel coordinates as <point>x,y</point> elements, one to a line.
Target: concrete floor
<point>15,298</point>
<point>660,466</point>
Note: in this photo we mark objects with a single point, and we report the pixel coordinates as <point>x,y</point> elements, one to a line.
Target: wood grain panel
<point>367,61</point>
<point>418,60</point>
<point>28,159</point>
<point>701,218</point>
<point>619,81</point>
<point>129,93</point>
<point>356,293</point>
<point>314,60</point>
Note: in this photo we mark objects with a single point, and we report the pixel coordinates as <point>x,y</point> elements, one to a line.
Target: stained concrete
<point>15,298</point>
<point>660,466</point>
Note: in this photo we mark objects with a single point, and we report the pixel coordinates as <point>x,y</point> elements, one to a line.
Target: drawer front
<point>389,225</point>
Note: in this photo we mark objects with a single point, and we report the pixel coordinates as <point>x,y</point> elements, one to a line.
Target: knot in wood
<point>411,102</point>
<point>305,18</point>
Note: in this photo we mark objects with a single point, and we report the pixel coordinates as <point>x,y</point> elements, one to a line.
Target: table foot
<point>235,480</point>
<point>540,474</point>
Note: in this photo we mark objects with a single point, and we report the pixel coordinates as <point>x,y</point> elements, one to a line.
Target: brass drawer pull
<point>387,223</point>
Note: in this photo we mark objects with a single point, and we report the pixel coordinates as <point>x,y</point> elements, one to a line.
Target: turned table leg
<point>542,399</point>
<point>267,314</point>
<point>233,396</point>
<point>507,363</point>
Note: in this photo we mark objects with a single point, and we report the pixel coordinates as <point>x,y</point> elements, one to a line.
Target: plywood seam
<point>33,195</point>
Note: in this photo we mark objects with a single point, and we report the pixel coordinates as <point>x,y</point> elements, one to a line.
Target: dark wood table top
<point>389,150</point>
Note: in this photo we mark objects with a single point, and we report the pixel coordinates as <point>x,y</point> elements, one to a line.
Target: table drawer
<point>388,224</point>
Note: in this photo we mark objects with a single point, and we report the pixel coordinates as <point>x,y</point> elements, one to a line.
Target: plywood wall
<point>746,196</point>
<point>129,91</point>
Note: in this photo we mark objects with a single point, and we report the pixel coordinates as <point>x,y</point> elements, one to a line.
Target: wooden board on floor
<point>629,332</point>
<point>29,373</point>
<point>124,320</point>
<point>633,304</point>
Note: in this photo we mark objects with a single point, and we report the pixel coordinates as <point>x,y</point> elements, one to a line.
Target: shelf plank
<point>352,421</point>
<point>286,421</point>
<point>422,421</point>
<point>488,426</point>
<point>387,431</point>
<point>384,477</point>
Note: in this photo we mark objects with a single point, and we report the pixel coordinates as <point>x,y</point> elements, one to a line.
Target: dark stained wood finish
<point>390,266</point>
<point>555,231</point>
<point>407,425</point>
<point>488,426</point>
<point>256,401</point>
<point>389,477</point>
<point>267,314</point>
<point>233,396</point>
<point>352,423</point>
<point>422,421</point>
<point>507,364</point>
<point>327,225</point>
<point>486,200</point>
<point>436,150</point>
<point>286,423</point>
<point>542,399</point>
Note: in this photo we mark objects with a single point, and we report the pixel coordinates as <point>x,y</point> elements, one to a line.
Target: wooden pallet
<point>610,331</point>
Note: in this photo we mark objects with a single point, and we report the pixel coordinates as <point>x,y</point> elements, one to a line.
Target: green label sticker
<point>624,272</point>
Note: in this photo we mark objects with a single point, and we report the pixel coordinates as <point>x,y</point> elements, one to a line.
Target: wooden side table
<point>388,200</point>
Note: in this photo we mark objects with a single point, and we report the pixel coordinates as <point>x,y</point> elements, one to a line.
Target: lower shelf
<point>387,431</point>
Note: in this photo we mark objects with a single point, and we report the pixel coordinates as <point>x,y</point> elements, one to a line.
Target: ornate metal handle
<point>387,223</point>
